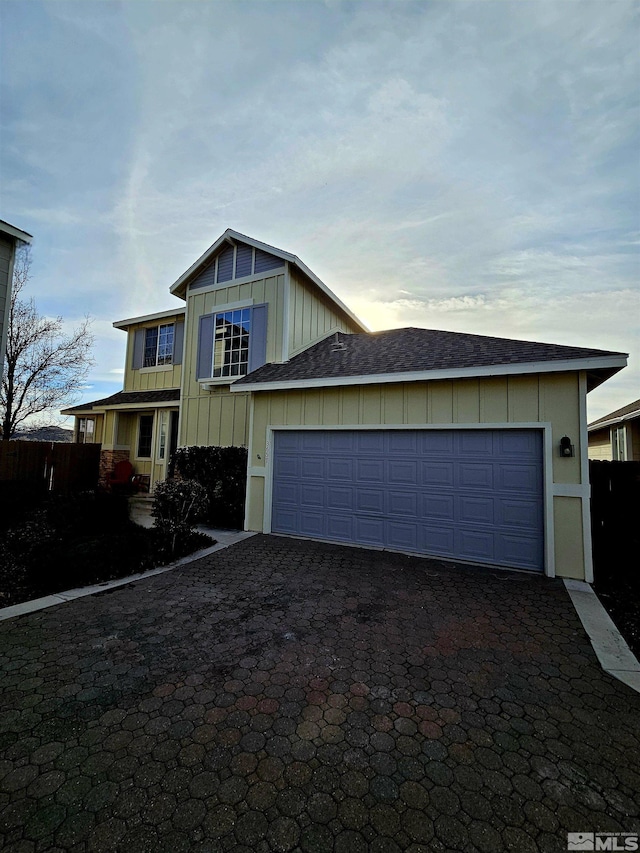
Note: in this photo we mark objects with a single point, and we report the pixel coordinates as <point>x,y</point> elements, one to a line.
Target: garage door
<point>472,495</point>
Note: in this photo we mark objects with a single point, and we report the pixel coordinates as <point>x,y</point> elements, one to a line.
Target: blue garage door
<point>472,495</point>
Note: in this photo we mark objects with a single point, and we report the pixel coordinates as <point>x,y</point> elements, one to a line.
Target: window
<point>231,343</point>
<point>145,436</point>
<point>162,434</point>
<point>158,345</point>
<point>619,443</point>
<point>86,429</point>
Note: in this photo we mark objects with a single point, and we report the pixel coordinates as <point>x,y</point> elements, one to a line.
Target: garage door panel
<point>475,544</point>
<point>370,471</point>
<point>369,531</point>
<point>369,501</point>
<point>340,468</point>
<point>405,472</point>
<point>438,507</point>
<point>402,536</point>
<point>471,475</point>
<point>340,527</point>
<point>402,503</point>
<point>436,474</point>
<point>475,510</point>
<point>311,495</point>
<point>370,441</point>
<point>312,467</point>
<point>340,497</point>
<point>473,495</point>
<point>437,540</point>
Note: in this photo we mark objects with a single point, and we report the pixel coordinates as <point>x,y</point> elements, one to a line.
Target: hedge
<point>223,473</point>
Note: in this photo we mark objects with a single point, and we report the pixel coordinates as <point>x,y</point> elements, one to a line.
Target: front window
<point>86,430</point>
<point>158,345</point>
<point>145,436</point>
<point>231,343</point>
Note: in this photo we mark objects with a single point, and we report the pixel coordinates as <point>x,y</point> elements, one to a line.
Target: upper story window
<point>158,345</point>
<point>231,343</point>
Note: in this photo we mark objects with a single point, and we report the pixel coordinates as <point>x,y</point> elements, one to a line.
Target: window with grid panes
<point>158,345</point>
<point>231,342</point>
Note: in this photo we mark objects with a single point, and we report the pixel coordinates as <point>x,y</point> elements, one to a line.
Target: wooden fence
<point>615,516</point>
<point>46,466</point>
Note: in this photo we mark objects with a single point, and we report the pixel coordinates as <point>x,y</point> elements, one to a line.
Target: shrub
<point>223,473</point>
<point>177,505</point>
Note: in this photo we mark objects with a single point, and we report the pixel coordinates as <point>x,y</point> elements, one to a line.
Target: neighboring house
<point>616,436</point>
<point>10,239</point>
<point>460,446</point>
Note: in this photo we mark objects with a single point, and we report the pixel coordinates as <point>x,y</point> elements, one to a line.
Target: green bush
<point>223,473</point>
<point>177,505</point>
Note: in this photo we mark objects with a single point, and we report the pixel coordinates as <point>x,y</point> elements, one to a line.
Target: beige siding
<point>550,399</point>
<point>569,548</point>
<point>218,417</point>
<point>312,315</point>
<point>150,378</point>
<point>600,444</point>
<point>633,440</point>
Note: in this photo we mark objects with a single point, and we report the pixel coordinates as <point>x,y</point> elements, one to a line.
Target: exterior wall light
<point>566,448</point>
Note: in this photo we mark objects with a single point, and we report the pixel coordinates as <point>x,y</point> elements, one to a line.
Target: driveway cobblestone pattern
<point>287,695</point>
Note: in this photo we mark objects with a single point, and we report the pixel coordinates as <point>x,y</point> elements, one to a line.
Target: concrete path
<point>284,695</point>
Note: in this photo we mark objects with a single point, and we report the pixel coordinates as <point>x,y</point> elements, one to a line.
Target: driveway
<point>288,695</point>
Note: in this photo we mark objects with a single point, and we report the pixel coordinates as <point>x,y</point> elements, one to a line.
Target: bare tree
<point>44,368</point>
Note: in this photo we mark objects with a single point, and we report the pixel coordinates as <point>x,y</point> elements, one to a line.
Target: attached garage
<point>457,446</point>
<point>474,495</point>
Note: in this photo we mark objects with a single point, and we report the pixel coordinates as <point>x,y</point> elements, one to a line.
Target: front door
<point>173,442</point>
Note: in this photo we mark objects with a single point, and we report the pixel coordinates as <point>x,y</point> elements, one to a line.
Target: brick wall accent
<point>108,460</point>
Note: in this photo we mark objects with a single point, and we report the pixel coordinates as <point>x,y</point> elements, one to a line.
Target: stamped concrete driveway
<point>285,695</point>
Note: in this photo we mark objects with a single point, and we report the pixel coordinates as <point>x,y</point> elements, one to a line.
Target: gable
<point>233,262</point>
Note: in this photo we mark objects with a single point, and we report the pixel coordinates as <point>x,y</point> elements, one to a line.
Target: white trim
<point>286,314</point>
<point>229,236</point>
<point>233,282</point>
<point>547,464</point>
<point>448,373</point>
<point>247,501</point>
<point>16,233</point>
<point>231,306</point>
<point>4,337</point>
<point>570,490</point>
<point>160,404</point>
<point>158,368</point>
<point>584,478</point>
<point>144,318</point>
<point>594,427</point>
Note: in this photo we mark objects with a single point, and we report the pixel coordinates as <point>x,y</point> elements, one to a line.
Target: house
<point>616,436</point>
<point>11,238</point>
<point>461,446</point>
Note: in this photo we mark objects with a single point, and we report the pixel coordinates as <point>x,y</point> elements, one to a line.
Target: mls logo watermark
<point>613,841</point>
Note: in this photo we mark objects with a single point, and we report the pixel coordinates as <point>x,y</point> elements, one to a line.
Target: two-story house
<point>460,446</point>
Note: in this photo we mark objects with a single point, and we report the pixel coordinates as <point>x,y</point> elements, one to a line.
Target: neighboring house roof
<point>626,413</point>
<point>128,398</point>
<point>11,231</point>
<point>401,355</point>
<point>145,318</point>
<point>179,287</point>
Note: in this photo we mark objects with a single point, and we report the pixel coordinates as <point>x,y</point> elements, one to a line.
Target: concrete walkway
<point>284,695</point>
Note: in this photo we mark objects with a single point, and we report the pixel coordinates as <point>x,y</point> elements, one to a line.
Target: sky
<point>468,166</point>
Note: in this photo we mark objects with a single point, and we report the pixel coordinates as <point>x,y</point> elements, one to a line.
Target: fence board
<point>49,466</point>
<point>615,516</point>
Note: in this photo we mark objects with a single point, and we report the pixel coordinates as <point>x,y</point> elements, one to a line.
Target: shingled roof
<point>411,351</point>
<point>165,395</point>
<point>626,413</point>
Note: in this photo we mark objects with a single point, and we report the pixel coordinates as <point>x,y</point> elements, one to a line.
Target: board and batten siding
<point>150,378</point>
<point>545,398</point>
<point>219,417</point>
<point>312,315</point>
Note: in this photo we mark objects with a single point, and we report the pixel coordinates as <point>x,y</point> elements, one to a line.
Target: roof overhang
<point>629,416</point>
<point>16,233</point>
<point>179,287</point>
<point>597,369</point>
<point>144,318</point>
